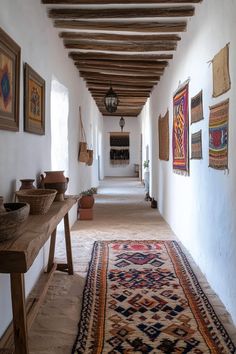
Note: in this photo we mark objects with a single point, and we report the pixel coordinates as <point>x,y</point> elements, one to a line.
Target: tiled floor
<point>120,212</point>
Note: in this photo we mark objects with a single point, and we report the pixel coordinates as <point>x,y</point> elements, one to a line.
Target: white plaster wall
<point>201,208</point>
<point>132,125</point>
<point>25,155</point>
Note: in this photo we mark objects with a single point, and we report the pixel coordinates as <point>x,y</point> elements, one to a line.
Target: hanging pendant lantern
<point>111,101</point>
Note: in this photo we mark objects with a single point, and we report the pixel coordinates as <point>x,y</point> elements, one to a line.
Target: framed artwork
<point>9,82</point>
<point>34,105</point>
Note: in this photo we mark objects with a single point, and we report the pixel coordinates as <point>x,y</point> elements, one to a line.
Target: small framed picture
<point>34,105</point>
<point>9,82</point>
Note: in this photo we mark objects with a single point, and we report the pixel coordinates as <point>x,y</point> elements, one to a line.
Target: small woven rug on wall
<point>163,135</point>
<point>218,135</point>
<point>196,108</point>
<point>221,75</point>
<point>180,137</point>
<point>143,297</point>
<point>196,145</point>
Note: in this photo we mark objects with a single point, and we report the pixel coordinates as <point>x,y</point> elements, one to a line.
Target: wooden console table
<point>16,257</point>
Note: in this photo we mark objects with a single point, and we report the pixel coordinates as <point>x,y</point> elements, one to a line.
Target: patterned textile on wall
<point>196,108</point>
<point>163,131</point>
<point>196,145</point>
<point>119,152</point>
<point>180,139</point>
<point>221,76</point>
<point>218,135</point>
<point>143,297</point>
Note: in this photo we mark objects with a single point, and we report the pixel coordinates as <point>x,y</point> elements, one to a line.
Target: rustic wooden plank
<point>17,255</point>
<point>134,26</point>
<point>52,250</point>
<point>115,68</point>
<point>124,13</point>
<point>119,37</point>
<point>109,2</point>
<point>123,71</point>
<point>68,244</point>
<point>114,56</point>
<point>19,313</point>
<point>117,87</point>
<point>125,100</point>
<point>120,82</point>
<point>121,63</point>
<point>121,46</point>
<point>110,77</point>
<point>137,84</point>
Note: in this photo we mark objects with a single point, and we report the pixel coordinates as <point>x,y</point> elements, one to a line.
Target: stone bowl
<point>15,215</point>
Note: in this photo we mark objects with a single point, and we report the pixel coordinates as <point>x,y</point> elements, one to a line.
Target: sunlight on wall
<point>59,126</point>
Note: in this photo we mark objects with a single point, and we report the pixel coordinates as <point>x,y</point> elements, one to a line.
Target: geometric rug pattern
<point>143,297</point>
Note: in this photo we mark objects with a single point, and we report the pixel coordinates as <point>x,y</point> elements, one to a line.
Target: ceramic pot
<point>86,202</point>
<point>55,180</point>
<point>27,184</point>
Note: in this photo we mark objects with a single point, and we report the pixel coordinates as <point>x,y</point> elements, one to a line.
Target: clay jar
<point>55,180</point>
<point>86,201</point>
<point>27,184</point>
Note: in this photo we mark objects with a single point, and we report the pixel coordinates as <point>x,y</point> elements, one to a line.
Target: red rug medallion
<point>143,297</point>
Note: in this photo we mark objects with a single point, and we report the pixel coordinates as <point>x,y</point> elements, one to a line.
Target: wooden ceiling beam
<point>119,113</point>
<point>127,83</point>
<point>109,70</point>
<point>118,86</point>
<point>122,96</point>
<point>124,57</point>
<point>130,26</point>
<point>124,80</point>
<point>119,63</point>
<point>124,13</point>
<point>116,68</point>
<point>120,91</point>
<point>119,37</point>
<point>118,2</point>
<point>127,72</point>
<point>121,46</point>
<point>110,77</point>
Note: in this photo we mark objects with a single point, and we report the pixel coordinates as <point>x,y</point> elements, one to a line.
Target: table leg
<point>68,244</point>
<point>51,251</point>
<point>19,313</point>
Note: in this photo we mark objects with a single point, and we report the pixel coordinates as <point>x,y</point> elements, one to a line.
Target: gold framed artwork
<point>34,105</point>
<point>10,54</point>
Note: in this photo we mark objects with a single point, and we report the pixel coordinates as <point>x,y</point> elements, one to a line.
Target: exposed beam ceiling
<point>127,44</point>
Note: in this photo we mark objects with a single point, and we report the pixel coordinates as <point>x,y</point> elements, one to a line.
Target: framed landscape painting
<point>9,82</point>
<point>34,107</point>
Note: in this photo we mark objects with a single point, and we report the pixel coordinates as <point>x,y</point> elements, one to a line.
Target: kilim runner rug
<point>143,297</point>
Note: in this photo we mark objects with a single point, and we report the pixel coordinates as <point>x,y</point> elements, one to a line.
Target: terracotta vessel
<point>27,184</point>
<point>86,202</point>
<point>55,180</point>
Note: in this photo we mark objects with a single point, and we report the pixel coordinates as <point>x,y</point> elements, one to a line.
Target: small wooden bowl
<point>16,214</point>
